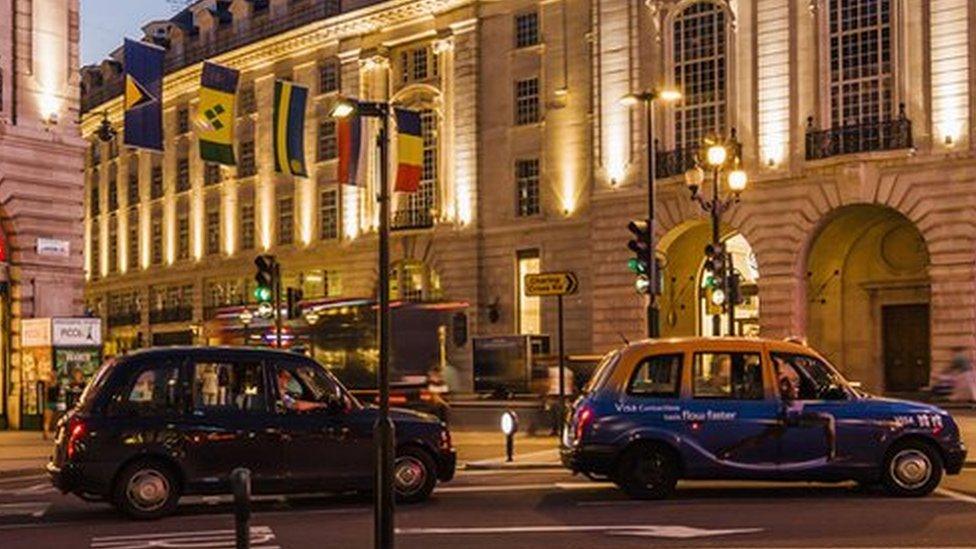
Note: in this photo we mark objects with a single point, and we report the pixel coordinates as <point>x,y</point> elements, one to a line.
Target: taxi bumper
<point>955,458</point>
<point>588,458</point>
<point>446,464</point>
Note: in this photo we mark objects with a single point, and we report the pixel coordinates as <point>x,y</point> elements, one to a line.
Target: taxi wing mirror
<point>786,390</point>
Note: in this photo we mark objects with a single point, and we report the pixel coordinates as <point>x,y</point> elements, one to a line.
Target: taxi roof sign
<point>551,284</point>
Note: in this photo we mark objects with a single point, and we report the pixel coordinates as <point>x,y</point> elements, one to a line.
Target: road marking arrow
<point>664,531</point>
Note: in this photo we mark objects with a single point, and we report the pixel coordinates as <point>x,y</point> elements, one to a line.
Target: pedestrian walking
<point>52,397</point>
<point>964,386</point>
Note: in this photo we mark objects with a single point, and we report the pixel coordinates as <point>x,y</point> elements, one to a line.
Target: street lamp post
<point>383,503</point>
<point>647,99</point>
<point>718,157</point>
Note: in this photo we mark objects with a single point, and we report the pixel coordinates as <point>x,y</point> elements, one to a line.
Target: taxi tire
<point>655,457</point>
<point>892,486</point>
<point>122,501</point>
<point>424,459</point>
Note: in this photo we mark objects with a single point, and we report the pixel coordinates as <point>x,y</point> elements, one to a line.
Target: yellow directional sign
<point>544,284</point>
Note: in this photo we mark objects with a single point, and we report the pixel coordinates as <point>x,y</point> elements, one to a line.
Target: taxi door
<point>730,417</point>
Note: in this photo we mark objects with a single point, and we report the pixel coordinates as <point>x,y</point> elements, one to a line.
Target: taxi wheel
<point>912,469</point>
<point>414,475</point>
<point>146,490</point>
<point>648,472</point>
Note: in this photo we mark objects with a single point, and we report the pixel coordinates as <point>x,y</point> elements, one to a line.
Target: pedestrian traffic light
<point>715,259</point>
<point>294,298</point>
<point>640,245</point>
<point>265,277</point>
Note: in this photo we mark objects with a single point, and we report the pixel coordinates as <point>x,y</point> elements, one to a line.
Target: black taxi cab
<point>161,423</point>
<point>752,409</point>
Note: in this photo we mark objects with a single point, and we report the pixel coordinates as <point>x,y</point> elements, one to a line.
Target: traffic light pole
<point>716,211</point>
<point>653,312</point>
<point>277,302</point>
<point>383,509</point>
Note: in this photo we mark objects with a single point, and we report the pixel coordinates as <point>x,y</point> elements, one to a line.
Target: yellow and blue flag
<point>143,95</point>
<point>410,151</point>
<point>289,128</point>
<point>216,113</point>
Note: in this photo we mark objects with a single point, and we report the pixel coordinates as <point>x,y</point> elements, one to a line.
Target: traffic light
<point>265,278</point>
<point>294,298</point>
<point>715,259</point>
<point>640,245</point>
<point>735,288</point>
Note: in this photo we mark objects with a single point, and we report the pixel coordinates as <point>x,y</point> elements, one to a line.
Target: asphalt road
<point>525,509</point>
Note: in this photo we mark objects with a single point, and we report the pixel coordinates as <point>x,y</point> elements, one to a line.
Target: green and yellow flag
<point>218,89</point>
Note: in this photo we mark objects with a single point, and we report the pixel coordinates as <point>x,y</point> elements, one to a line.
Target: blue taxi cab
<point>752,409</point>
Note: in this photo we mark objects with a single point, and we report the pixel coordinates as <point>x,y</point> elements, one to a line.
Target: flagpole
<point>384,503</point>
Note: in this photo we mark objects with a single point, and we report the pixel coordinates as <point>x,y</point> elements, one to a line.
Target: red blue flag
<point>350,138</point>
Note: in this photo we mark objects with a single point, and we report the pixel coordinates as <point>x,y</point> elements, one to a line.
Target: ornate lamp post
<point>719,157</point>
<point>647,99</point>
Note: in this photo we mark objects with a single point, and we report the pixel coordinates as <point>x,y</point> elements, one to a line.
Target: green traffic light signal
<point>636,266</point>
<point>262,294</point>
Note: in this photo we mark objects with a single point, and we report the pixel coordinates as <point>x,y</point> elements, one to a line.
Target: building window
<point>246,166</point>
<point>329,215</point>
<point>246,103</point>
<point>113,189</point>
<point>700,71</point>
<point>328,146</point>
<point>526,29</point>
<point>113,245</point>
<point>183,120</point>
<point>247,226</point>
<point>211,173</point>
<point>286,220</point>
<point>156,234</point>
<point>96,152</point>
<point>329,77</point>
<point>417,64</point>
<point>96,249</point>
<point>527,183</point>
<point>419,208</point>
<point>527,101</point>
<point>132,189</point>
<point>156,182</point>
<point>861,73</point>
<point>529,308</point>
<point>183,236</point>
<point>182,174</point>
<point>133,240</point>
<point>213,228</point>
<point>94,198</point>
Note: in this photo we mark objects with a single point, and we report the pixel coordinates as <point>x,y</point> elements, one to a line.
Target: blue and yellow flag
<point>289,128</point>
<point>410,151</point>
<point>216,113</point>
<point>143,95</point>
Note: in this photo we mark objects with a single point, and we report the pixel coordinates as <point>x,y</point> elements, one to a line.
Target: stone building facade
<point>41,182</point>
<point>854,120</point>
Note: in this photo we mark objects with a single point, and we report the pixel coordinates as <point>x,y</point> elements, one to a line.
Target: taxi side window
<point>657,377</point>
<point>733,376</point>
<point>228,387</point>
<point>154,390</point>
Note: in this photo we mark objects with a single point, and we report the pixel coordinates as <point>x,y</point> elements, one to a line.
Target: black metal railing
<point>198,49</point>
<point>130,318</point>
<point>171,314</point>
<point>674,162</point>
<point>412,219</point>
<point>882,135</point>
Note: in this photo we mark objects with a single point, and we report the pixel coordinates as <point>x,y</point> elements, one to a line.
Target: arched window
<point>700,72</point>
<point>861,74</point>
<point>418,209</point>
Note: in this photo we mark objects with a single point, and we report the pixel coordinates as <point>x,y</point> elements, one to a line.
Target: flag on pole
<point>216,113</point>
<point>349,131</point>
<point>289,128</point>
<point>410,151</point>
<point>143,95</point>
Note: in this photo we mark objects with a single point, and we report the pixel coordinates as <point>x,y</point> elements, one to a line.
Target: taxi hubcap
<point>148,490</point>
<point>409,474</point>
<point>911,468</point>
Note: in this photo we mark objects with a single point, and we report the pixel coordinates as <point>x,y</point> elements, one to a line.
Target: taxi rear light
<point>76,431</point>
<point>584,416</point>
<point>398,399</point>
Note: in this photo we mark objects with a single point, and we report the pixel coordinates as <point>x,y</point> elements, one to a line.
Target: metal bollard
<point>240,480</point>
<point>509,426</point>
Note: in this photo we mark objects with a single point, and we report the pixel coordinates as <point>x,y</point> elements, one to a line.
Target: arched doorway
<point>868,297</point>
<point>684,309</point>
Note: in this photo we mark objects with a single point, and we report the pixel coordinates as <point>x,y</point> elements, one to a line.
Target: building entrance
<point>906,346</point>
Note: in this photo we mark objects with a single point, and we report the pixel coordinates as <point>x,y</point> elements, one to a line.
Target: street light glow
<point>694,177</point>
<point>630,100</point>
<point>738,180</point>
<point>670,95</point>
<point>343,108</point>
<point>716,155</point>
